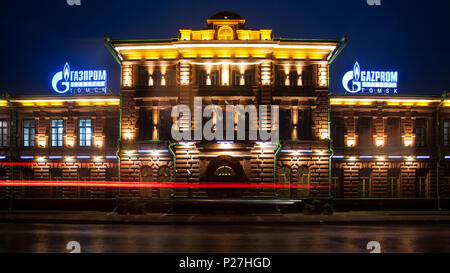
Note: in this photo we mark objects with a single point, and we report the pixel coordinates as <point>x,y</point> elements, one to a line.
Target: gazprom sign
<point>370,82</point>
<point>79,81</point>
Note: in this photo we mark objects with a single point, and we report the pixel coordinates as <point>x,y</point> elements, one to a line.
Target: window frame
<point>29,133</point>
<point>85,138</point>
<point>4,133</point>
<point>59,134</point>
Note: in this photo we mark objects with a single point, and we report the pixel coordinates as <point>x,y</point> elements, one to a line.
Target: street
<point>393,238</point>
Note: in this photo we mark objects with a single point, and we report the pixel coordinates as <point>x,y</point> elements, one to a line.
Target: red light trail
<point>114,184</point>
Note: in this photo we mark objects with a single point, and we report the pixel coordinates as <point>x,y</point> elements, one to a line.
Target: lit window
<point>447,133</point>
<point>4,141</point>
<point>28,133</point>
<point>57,132</point>
<point>85,132</point>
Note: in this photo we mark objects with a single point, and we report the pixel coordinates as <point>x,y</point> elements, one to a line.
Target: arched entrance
<point>225,169</point>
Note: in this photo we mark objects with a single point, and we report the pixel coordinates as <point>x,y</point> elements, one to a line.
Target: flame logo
<point>66,72</point>
<point>356,72</point>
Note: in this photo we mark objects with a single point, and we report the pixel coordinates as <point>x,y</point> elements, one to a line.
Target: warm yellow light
<point>42,143</point>
<point>225,74</point>
<point>128,135</point>
<point>70,142</point>
<point>379,142</point>
<point>408,141</point>
<point>97,158</point>
<point>287,81</point>
<point>324,136</point>
<point>69,158</point>
<point>350,143</point>
<point>41,159</point>
<point>381,158</point>
<point>99,143</point>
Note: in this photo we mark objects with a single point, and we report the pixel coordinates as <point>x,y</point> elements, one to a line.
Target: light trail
<point>114,184</point>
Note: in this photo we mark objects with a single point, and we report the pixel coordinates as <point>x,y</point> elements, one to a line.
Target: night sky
<point>38,37</point>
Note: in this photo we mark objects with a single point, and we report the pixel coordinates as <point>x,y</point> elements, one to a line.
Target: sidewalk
<point>249,219</point>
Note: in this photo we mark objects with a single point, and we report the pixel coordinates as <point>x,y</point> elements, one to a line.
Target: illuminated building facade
<point>382,147</point>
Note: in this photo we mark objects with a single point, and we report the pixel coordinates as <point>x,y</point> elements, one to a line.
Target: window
<point>235,77</point>
<point>393,131</point>
<point>165,124</point>
<point>214,77</point>
<point>303,181</point>
<point>394,182</point>
<point>304,128</point>
<point>249,77</point>
<point>337,132</point>
<point>285,124</point>
<point>156,77</point>
<point>201,77</point>
<point>57,132</point>
<point>447,133</point>
<point>421,132</point>
<point>111,132</point>
<point>144,76</point>
<point>225,33</point>
<point>145,124</point>
<point>307,76</point>
<point>28,132</point>
<point>337,180</point>
<point>365,177</point>
<point>364,131</point>
<point>4,140</point>
<point>293,78</point>
<point>85,132</point>
<point>281,78</point>
<point>422,179</point>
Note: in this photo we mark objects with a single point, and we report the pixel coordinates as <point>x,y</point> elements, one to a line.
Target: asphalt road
<point>394,238</point>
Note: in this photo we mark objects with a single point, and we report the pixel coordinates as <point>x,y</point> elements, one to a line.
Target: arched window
<point>284,177</point>
<point>303,181</point>
<point>365,182</point>
<point>146,174</point>
<point>165,174</point>
<point>225,33</point>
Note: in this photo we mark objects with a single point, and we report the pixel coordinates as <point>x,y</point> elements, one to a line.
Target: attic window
<point>225,33</point>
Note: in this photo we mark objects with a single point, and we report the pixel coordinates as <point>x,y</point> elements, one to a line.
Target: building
<point>331,146</point>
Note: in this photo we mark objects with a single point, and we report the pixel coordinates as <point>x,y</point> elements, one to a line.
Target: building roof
<point>221,15</point>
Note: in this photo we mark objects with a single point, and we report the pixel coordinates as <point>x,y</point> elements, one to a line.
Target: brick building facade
<point>382,147</point>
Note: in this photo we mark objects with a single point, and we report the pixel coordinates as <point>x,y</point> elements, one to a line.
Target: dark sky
<point>39,36</point>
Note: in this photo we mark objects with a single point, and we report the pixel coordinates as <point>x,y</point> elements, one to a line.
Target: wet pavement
<point>111,238</point>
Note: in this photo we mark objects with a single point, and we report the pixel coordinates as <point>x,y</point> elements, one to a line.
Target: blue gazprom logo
<point>379,82</point>
<point>82,80</point>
